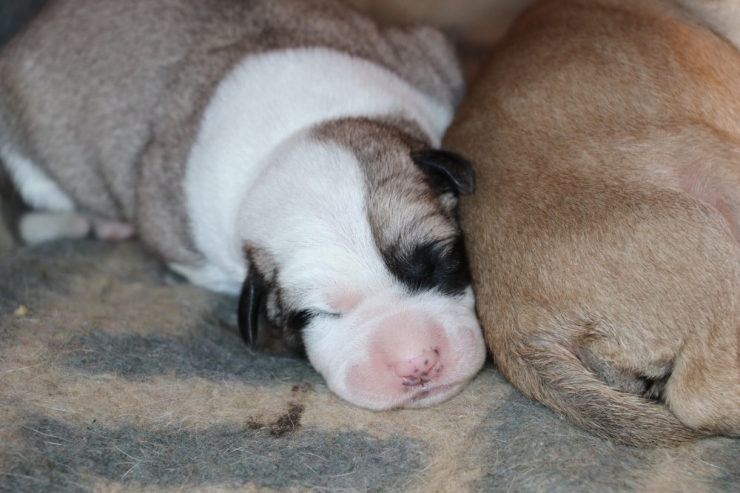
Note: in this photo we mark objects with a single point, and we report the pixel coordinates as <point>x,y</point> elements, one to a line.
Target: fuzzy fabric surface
<point>117,376</point>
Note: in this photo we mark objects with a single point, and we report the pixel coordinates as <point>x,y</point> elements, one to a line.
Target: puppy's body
<point>603,237</point>
<point>225,132</point>
<point>150,69</point>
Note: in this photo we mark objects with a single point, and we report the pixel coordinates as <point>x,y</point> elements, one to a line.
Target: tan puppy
<point>603,236</point>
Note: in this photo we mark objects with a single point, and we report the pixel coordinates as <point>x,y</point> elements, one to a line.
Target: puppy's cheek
<point>330,351</point>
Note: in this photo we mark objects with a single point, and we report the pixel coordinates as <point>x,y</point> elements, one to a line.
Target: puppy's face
<point>356,256</point>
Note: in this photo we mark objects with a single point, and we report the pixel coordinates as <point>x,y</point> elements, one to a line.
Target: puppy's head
<point>355,255</point>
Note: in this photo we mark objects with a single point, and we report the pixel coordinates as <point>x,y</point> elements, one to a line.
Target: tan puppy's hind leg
<point>706,394</point>
<point>549,372</point>
<point>703,392</point>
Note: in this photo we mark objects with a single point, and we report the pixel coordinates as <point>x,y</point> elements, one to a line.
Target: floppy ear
<point>250,304</point>
<point>448,170</point>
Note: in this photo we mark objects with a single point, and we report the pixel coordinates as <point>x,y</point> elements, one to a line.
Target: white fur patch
<point>265,100</point>
<point>318,229</point>
<point>37,189</point>
<point>257,177</point>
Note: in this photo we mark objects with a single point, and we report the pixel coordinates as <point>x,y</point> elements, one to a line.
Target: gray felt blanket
<point>116,376</point>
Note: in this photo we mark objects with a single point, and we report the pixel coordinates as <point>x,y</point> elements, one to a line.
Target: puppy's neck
<point>265,100</point>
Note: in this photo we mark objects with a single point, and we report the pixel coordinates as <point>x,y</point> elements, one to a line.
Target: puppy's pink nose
<point>418,369</point>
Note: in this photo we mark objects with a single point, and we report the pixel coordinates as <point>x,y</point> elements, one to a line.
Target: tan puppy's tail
<point>552,374</point>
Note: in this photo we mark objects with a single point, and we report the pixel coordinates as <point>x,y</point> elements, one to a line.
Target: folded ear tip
<point>250,302</point>
<point>457,169</point>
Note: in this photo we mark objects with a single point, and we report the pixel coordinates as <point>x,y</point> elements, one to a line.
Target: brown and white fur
<point>290,143</point>
<point>603,236</point>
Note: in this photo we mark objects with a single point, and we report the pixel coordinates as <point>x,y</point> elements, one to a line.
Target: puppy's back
<point>591,256</point>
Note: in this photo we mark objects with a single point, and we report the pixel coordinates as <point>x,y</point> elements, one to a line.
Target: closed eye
<point>324,313</point>
<point>295,322</point>
<point>310,313</point>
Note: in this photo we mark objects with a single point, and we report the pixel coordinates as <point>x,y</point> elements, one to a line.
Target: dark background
<point>14,13</point>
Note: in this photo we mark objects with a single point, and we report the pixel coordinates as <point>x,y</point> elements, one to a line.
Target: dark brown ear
<point>250,304</point>
<point>449,171</point>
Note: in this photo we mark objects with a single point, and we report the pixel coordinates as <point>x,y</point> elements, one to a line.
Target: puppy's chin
<point>433,395</point>
<point>406,352</point>
<point>418,398</point>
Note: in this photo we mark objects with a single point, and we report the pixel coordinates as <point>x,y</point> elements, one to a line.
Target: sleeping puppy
<point>603,236</point>
<point>284,150</point>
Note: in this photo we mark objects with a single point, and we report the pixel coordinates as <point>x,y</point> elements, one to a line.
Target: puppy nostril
<point>417,370</point>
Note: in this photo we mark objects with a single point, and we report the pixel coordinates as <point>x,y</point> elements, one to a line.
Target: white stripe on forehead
<point>318,231</point>
<point>266,99</point>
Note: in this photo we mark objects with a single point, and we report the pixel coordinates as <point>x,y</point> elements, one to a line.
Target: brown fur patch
<point>592,264</point>
<point>402,208</point>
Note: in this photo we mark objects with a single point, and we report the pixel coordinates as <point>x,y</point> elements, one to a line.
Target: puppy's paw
<point>40,227</point>
<point>109,230</point>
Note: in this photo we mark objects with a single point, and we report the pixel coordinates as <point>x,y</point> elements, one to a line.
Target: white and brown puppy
<point>286,142</point>
<point>604,233</point>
